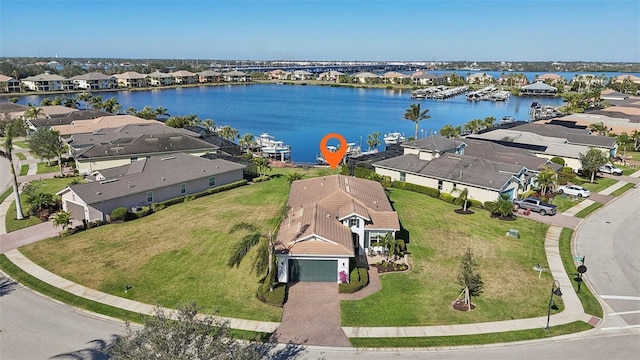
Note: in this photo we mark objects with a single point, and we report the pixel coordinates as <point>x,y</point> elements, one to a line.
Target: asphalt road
<point>610,242</point>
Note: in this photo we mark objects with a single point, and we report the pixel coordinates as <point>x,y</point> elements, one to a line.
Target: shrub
<point>275,297</point>
<point>119,213</point>
<point>489,205</point>
<point>362,173</point>
<point>558,160</point>
<point>359,279</point>
<point>128,216</point>
<point>475,203</point>
<point>435,193</point>
<point>448,198</point>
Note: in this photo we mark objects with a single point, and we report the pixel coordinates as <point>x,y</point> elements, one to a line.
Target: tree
<point>182,121</point>
<point>112,106</point>
<point>624,141</point>
<point>262,164</point>
<point>263,261</point>
<point>489,122</point>
<point>85,97</point>
<point>473,126</point>
<point>449,131</point>
<point>373,140</point>
<point>468,278</point>
<point>462,199</point>
<point>599,127</point>
<point>294,177</point>
<point>62,218</point>
<point>592,160</point>
<point>96,102</point>
<point>247,141</point>
<point>182,335</point>
<point>13,128</point>
<point>503,206</point>
<point>46,144</point>
<point>415,114</point>
<point>546,180</point>
<point>394,247</point>
<point>33,113</point>
<point>635,137</point>
<point>160,112</point>
<point>210,124</point>
<point>229,133</point>
<point>46,102</point>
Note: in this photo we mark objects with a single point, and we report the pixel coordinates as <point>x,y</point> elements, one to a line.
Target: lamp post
<point>555,290</point>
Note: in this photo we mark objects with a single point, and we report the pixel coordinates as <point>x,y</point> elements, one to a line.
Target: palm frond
<point>243,226</point>
<point>241,248</point>
<point>261,262</point>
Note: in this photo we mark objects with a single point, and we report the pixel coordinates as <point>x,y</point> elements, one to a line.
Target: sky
<point>374,30</point>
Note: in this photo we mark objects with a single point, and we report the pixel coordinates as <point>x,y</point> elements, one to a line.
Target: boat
<point>270,147</point>
<point>392,138</point>
<point>507,120</point>
<point>353,150</point>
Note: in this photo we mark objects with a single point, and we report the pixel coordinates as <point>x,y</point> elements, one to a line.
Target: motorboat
<point>393,138</point>
<point>271,147</point>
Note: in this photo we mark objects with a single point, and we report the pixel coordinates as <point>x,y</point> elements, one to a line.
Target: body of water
<point>301,115</point>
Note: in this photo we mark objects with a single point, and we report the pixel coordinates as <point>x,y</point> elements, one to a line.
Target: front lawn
<point>21,144</point>
<point>24,170</point>
<point>438,238</point>
<point>565,202</point>
<point>174,256</point>
<point>21,156</point>
<point>43,168</point>
<point>599,184</point>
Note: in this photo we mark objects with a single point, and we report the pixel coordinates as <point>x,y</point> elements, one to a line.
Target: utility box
<point>514,233</point>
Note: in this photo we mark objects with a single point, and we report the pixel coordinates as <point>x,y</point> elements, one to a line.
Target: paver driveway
<point>311,316</point>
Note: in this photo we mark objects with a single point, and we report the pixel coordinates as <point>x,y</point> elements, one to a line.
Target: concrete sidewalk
<point>573,307</point>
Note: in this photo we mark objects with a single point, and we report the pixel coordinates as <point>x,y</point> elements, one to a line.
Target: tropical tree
<point>599,127</point>
<point>112,106</point>
<point>263,261</point>
<point>70,102</point>
<point>373,140</point>
<point>468,277</point>
<point>473,126</point>
<point>463,198</point>
<point>146,113</point>
<point>415,114</point>
<point>449,131</point>
<point>46,102</point>
<point>227,132</point>
<point>624,141</point>
<point>593,160</point>
<point>181,121</point>
<point>503,206</point>
<point>46,144</point>
<point>63,219</point>
<point>546,180</point>
<point>14,99</point>
<point>294,177</point>
<point>210,124</point>
<point>160,111</point>
<point>247,141</point>
<point>262,164</point>
<point>13,128</point>
<point>96,102</point>
<point>33,112</point>
<point>180,335</point>
<point>635,137</point>
<point>85,97</point>
<point>488,122</point>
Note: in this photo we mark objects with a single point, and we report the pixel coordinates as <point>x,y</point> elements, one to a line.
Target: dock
<point>438,92</point>
<point>489,93</point>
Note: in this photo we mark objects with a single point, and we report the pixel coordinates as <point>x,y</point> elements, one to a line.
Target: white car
<point>610,169</point>
<point>574,190</point>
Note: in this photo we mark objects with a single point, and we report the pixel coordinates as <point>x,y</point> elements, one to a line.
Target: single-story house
<point>330,220</point>
<point>552,79</point>
<point>538,89</point>
<point>422,78</point>
<point>236,76</point>
<point>90,125</point>
<point>144,182</point>
<point>301,75</point>
<point>277,74</point>
<point>394,77</point>
<point>364,77</point>
<point>331,75</point>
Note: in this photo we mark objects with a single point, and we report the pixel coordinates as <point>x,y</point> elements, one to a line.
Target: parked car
<point>535,204</point>
<point>610,169</point>
<point>574,190</point>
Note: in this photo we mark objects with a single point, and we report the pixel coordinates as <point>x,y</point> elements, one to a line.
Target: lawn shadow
<point>403,234</point>
<point>96,350</point>
<point>7,286</point>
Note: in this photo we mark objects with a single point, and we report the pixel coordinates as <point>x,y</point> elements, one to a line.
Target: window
<point>134,158</point>
<point>183,188</point>
<point>149,196</point>
<point>354,222</point>
<point>440,185</point>
<point>212,181</point>
<point>403,176</point>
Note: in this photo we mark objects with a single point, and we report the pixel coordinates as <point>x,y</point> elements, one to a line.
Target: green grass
<point>588,210</point>
<point>43,168</point>
<point>51,186</point>
<point>174,256</point>
<point>6,194</point>
<point>599,184</point>
<point>476,339</point>
<point>21,144</point>
<point>564,202</point>
<point>588,300</point>
<point>58,294</point>
<point>438,238</point>
<point>21,156</point>
<point>623,189</point>
<point>24,169</point>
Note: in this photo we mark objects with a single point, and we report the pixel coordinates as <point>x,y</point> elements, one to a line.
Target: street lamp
<point>555,290</point>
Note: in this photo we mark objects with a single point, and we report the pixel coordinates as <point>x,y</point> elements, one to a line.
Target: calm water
<point>301,115</point>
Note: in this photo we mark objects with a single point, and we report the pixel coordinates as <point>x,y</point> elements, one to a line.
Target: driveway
<point>311,316</point>
<point>15,239</point>
<point>557,220</point>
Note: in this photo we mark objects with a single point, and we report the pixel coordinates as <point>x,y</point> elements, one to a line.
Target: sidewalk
<point>573,308</point>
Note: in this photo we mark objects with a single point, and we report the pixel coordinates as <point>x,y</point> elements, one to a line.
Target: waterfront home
<point>330,76</point>
<point>364,77</point>
<point>573,136</point>
<point>91,125</point>
<point>222,145</point>
<point>538,89</point>
<point>11,108</point>
<point>127,149</point>
<point>9,84</point>
<point>551,79</point>
<point>622,78</point>
<point>301,75</point>
<point>46,82</point>
<point>394,77</point>
<point>423,78</point>
<point>479,78</point>
<point>131,79</point>
<point>277,74</point>
<point>93,81</point>
<point>617,123</point>
<point>236,76</point>
<point>610,94</point>
<point>209,76</point>
<point>158,78</point>
<point>144,182</point>
<point>513,80</point>
<point>586,81</point>
<point>65,118</point>
<point>184,77</point>
<point>331,219</point>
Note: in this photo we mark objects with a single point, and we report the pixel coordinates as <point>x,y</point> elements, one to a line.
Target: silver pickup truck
<point>535,204</point>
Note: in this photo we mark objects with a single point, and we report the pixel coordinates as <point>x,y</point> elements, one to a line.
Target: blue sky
<point>419,30</point>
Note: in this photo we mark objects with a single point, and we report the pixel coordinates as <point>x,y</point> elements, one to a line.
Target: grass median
<point>588,210</point>
<point>623,189</point>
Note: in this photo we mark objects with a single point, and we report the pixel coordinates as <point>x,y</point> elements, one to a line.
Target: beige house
<point>46,82</point>
<point>394,77</point>
<point>144,182</point>
<point>9,84</point>
<point>184,77</point>
<point>93,81</point>
<point>158,78</point>
<point>552,79</point>
<point>330,220</point>
<point>91,125</point>
<point>364,77</point>
<point>131,79</point>
<point>330,76</point>
<point>209,76</point>
<point>236,76</point>
<point>480,78</point>
<point>621,78</point>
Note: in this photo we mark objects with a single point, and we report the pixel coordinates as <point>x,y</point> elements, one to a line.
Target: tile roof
<point>157,75</point>
<point>113,135</point>
<point>44,77</point>
<point>504,154</point>
<point>434,143</point>
<point>463,169</point>
<point>573,136</point>
<point>149,174</point>
<point>6,108</point>
<point>182,73</point>
<point>92,76</point>
<point>66,119</point>
<point>113,121</point>
<point>312,225</point>
<point>130,75</point>
<point>539,86</point>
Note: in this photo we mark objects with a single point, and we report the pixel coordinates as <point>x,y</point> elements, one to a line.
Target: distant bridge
<point>344,68</point>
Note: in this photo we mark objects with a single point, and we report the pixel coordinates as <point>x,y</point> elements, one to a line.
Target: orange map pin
<point>333,158</point>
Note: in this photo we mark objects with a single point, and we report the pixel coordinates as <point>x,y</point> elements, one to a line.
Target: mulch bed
<point>504,218</point>
<point>461,306</point>
<point>462,212</point>
<point>386,267</point>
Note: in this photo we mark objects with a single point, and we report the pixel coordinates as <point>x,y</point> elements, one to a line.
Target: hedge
<point>359,278</point>
<point>163,204</point>
<point>447,198</point>
<point>275,297</point>
<point>435,193</point>
<point>489,205</point>
<point>475,203</point>
<point>362,173</point>
<point>118,213</point>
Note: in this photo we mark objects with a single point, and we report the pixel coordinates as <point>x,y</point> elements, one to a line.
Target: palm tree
<point>546,180</point>
<point>635,136</point>
<point>112,106</point>
<point>262,164</point>
<point>13,128</point>
<point>247,141</point>
<point>473,126</point>
<point>373,140</point>
<point>463,198</point>
<point>160,111</point>
<point>62,218</point>
<point>489,122</point>
<point>263,262</point>
<point>294,177</point>
<point>96,102</point>
<point>33,113</point>
<point>503,206</point>
<point>599,127</point>
<point>229,133</point>
<point>210,124</point>
<point>449,131</point>
<point>86,98</point>
<point>413,113</point>
<point>624,140</point>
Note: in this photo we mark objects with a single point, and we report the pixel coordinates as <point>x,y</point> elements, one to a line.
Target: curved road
<point>35,327</point>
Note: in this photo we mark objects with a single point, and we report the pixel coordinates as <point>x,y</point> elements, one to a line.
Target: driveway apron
<point>311,316</point>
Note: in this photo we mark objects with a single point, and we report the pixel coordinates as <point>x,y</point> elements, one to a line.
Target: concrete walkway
<point>573,308</point>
